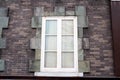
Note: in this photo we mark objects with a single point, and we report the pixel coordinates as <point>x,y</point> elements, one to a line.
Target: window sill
<point>58,74</point>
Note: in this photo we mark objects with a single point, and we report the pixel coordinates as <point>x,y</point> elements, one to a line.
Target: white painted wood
<point>75,44</point>
<point>58,74</point>
<point>54,71</point>
<point>42,43</point>
<point>59,44</point>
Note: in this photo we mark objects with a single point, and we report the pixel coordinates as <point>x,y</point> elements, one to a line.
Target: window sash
<point>59,43</point>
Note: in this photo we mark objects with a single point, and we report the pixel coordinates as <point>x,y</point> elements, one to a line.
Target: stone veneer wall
<point>19,32</point>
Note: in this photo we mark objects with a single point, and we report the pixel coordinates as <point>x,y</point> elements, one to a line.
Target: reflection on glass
<point>67,43</point>
<point>50,60</point>
<point>51,27</point>
<point>67,60</point>
<point>51,43</point>
<point>67,27</point>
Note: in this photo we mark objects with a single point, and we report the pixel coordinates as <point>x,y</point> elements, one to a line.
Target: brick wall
<point>19,32</point>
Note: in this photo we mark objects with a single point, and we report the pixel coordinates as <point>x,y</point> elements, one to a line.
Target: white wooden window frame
<point>59,71</point>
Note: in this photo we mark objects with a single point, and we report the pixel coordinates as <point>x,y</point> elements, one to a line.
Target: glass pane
<point>67,60</point>
<point>67,43</point>
<point>51,27</point>
<point>50,59</point>
<point>51,43</point>
<point>67,27</point>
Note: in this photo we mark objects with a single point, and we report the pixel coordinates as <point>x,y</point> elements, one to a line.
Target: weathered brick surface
<point>100,53</point>
<point>19,33</point>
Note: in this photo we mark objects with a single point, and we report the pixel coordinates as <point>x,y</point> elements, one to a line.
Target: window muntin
<point>59,44</point>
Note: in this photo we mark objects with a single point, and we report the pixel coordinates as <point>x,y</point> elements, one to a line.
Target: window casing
<point>59,46</point>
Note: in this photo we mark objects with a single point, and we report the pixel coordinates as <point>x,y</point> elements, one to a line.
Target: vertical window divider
<point>75,44</point>
<point>43,44</point>
<point>59,43</point>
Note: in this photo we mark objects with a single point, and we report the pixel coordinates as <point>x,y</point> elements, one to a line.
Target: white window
<point>59,45</point>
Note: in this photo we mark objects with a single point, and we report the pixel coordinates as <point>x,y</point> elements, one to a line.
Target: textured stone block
<point>2,65</point>
<point>84,66</point>
<point>48,13</point>
<point>80,10</point>
<point>80,32</point>
<point>36,22</point>
<point>35,43</point>
<point>86,44</point>
<point>3,12</point>
<point>39,11</point>
<point>70,13</point>
<point>38,33</point>
<point>4,22</point>
<point>37,53</point>
<point>2,43</point>
<point>79,43</point>
<point>80,55</point>
<point>34,65</point>
<point>59,11</point>
<point>82,21</point>
<point>0,32</point>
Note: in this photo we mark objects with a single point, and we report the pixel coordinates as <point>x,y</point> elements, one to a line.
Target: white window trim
<point>62,72</point>
<point>58,74</point>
